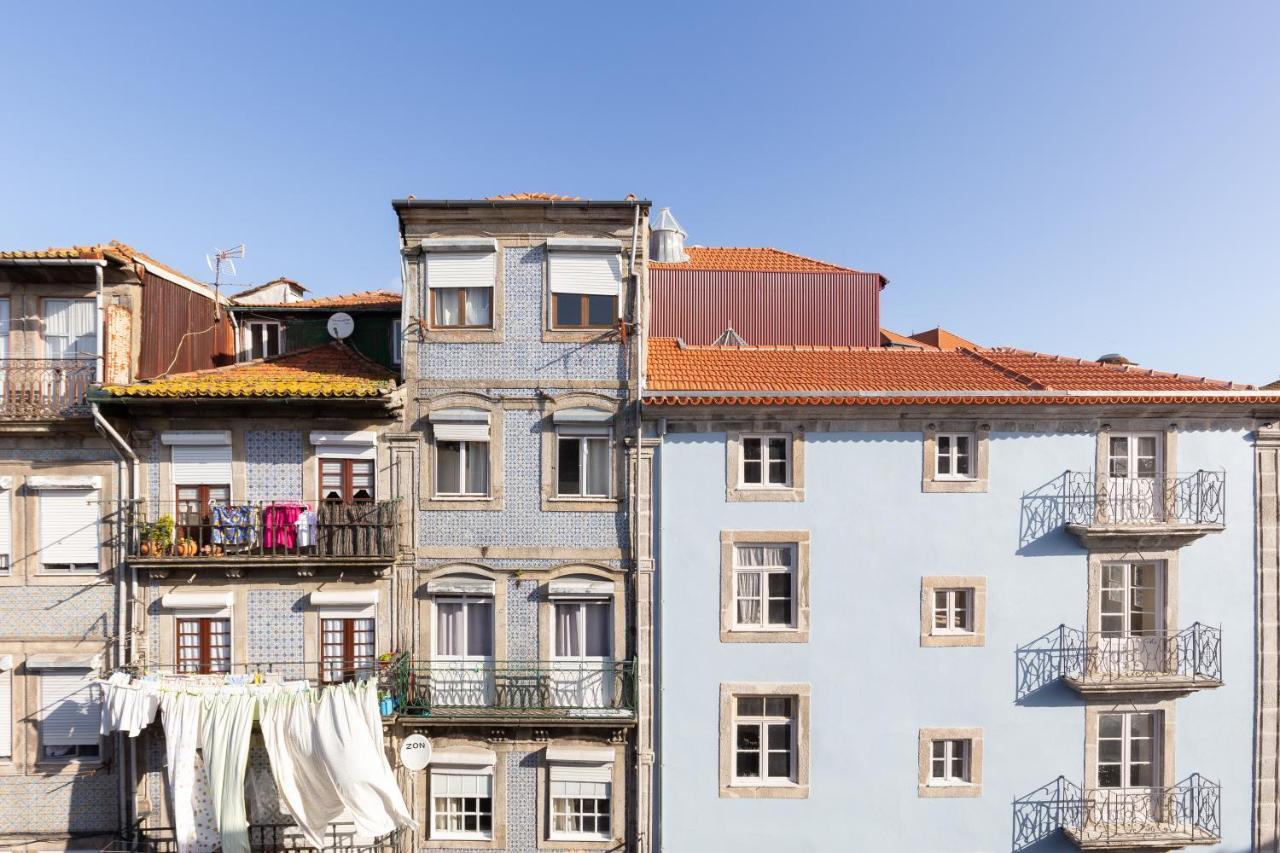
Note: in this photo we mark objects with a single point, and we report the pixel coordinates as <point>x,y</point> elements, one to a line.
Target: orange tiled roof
<point>891,338</point>
<point>114,250</point>
<point>364,299</point>
<point>736,259</point>
<point>331,370</point>
<point>861,375</point>
<point>942,339</point>
<point>532,197</point>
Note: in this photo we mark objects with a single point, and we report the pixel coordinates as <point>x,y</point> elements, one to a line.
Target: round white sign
<point>341,325</point>
<point>415,752</point>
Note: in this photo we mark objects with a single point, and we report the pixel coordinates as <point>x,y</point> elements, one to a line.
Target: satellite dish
<point>341,325</point>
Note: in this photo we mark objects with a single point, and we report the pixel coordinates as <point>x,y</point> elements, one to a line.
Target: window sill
<point>590,334</point>
<point>764,635</point>
<point>949,790</point>
<point>957,640</point>
<point>71,767</point>
<point>765,791</point>
<point>932,484</point>
<point>555,503</point>
<point>462,503</point>
<point>745,494</point>
<point>462,335</point>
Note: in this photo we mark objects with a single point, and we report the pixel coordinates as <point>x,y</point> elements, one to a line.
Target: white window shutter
<point>69,707</point>
<point>461,269</point>
<point>83,326</point>
<point>462,782</point>
<point>592,273</point>
<point>68,526</point>
<point>582,773</point>
<point>6,714</point>
<point>201,464</point>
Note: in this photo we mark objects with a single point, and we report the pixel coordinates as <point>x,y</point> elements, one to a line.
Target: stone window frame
<point>1097,559</point>
<point>429,333</point>
<point>427,603</point>
<point>552,502</point>
<point>422,798</point>
<point>546,608</point>
<point>931,483</point>
<point>313,616</point>
<point>29,544</point>
<point>925,788</point>
<point>497,453</point>
<point>729,540</point>
<point>550,334</point>
<point>735,491</point>
<point>617,801</point>
<point>1166,706</point>
<point>802,693</point>
<point>929,584</point>
<point>166,621</point>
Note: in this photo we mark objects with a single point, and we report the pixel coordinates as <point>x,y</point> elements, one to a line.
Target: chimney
<point>668,239</point>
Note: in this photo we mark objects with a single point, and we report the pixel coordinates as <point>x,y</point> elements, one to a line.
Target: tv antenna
<point>215,263</point>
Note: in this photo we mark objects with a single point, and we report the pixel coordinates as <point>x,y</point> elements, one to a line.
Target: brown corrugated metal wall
<point>766,308</point>
<point>169,312</point>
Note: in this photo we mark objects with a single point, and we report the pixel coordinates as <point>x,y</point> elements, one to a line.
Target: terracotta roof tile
<point>942,339</point>
<point>331,370</point>
<point>891,338</point>
<point>926,375</point>
<point>364,299</point>
<point>114,250</point>
<point>532,197</point>
<point>748,260</point>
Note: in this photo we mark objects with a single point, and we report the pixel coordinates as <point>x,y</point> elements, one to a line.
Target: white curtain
<point>480,628</point>
<point>449,624</point>
<point>568,640</point>
<point>597,466</point>
<point>478,306</point>
<point>764,555</point>
<point>598,629</point>
<point>477,468</point>
<point>447,307</point>
<point>748,598</point>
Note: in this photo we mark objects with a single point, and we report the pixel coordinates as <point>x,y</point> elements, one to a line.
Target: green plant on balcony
<point>156,536</point>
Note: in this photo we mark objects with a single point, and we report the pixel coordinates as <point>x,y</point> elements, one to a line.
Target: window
<point>583,462</point>
<point>1132,599</point>
<point>585,285</point>
<point>70,328</point>
<point>949,764</point>
<point>346,480</point>
<point>766,461</point>
<point>1128,745</point>
<point>6,708</point>
<point>464,627</point>
<point>6,526</point>
<point>764,739</point>
<point>397,341</point>
<point>69,712</point>
<point>461,802</point>
<point>265,338</point>
<point>581,788</point>
<point>462,671</point>
<point>584,629</point>
<point>461,452</point>
<point>204,644</point>
<point>952,611</point>
<point>955,456</point>
<point>346,648</point>
<point>4,328</point>
<point>461,288</point>
<point>1133,456</point>
<point>763,584</point>
<point>69,535</point>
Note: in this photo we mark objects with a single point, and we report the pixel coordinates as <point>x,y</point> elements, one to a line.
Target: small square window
<point>953,611</point>
<point>950,762</point>
<point>266,339</point>
<point>764,740</point>
<point>462,468</point>
<point>956,460</point>
<point>766,461</point>
<point>583,465</point>
<point>955,456</point>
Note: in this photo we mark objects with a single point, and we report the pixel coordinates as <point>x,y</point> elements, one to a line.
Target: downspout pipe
<point>102,325</point>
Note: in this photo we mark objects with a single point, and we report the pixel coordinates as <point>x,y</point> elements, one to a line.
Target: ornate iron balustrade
<point>532,689</point>
<point>176,530</point>
<point>385,668</point>
<point>38,389</point>
<point>1197,497</point>
<point>1098,660</point>
<point>1182,814</point>
<point>266,838</point>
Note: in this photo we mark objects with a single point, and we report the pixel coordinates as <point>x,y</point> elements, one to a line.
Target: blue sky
<point>1080,177</point>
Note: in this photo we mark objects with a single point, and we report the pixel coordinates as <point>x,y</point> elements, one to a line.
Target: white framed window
<point>954,456</point>
<point>1134,455</point>
<point>69,531</point>
<point>580,783</point>
<point>70,703</point>
<point>70,328</point>
<point>461,443</point>
<point>766,461</point>
<point>953,610</point>
<point>1128,749</point>
<point>397,341</point>
<point>464,627</point>
<point>764,586</point>
<point>949,762</point>
<point>6,708</point>
<point>461,801</point>
<point>584,461</point>
<point>584,630</point>
<point>764,740</point>
<point>263,338</point>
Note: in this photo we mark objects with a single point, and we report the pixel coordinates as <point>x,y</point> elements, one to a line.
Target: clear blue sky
<point>1074,177</point>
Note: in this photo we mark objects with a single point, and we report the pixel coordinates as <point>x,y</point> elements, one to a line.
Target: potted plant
<point>157,536</point>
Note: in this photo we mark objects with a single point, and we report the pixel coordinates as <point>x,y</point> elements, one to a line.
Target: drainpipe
<point>101,320</point>
<point>124,596</point>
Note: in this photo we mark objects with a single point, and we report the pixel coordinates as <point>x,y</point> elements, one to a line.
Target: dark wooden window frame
<point>462,309</point>
<point>347,471</point>
<point>586,313</point>
<point>347,667</point>
<point>204,649</point>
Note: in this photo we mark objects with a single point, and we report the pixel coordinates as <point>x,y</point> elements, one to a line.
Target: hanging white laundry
<point>306,527</point>
<point>288,730</point>
<point>224,743</point>
<point>349,734</point>
<point>127,707</point>
<point>180,714</point>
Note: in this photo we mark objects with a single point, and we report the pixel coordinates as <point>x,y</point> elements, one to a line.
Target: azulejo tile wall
<point>522,521</point>
<point>79,612</point>
<point>273,464</point>
<point>275,629</point>
<point>86,803</point>
<point>522,804</point>
<point>522,618</point>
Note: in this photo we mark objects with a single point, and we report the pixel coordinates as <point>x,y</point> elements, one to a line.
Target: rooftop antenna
<point>215,263</point>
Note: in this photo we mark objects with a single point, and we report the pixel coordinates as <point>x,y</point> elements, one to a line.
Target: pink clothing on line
<point>278,521</point>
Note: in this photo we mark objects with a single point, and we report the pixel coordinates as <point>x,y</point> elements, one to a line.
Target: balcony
<point>268,838</point>
<point>1100,664</point>
<point>1183,815</point>
<point>1167,510</point>
<point>318,673</point>
<point>263,534</point>
<point>45,389</point>
<point>580,691</point>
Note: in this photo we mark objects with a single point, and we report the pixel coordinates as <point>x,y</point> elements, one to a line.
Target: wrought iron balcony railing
<point>1103,662</point>
<point>38,389</point>
<point>266,838</point>
<point>1096,818</point>
<point>516,689</point>
<point>385,668</point>
<point>1197,497</point>
<point>192,530</point>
